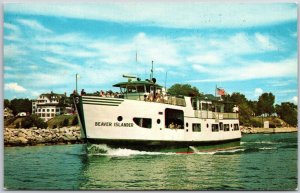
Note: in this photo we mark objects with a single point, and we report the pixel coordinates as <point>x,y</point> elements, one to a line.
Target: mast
<point>151,75</point>
<point>166,81</point>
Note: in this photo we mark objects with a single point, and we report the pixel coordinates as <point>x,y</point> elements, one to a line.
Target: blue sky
<point>246,48</point>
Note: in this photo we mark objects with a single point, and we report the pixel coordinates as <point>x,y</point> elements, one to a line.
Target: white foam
<point>267,148</point>
<point>103,149</point>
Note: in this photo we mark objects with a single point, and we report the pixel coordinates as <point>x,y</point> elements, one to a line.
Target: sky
<point>249,48</point>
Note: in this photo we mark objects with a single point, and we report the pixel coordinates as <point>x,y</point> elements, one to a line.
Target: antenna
<point>151,76</point>
<point>166,81</point>
<point>136,57</point>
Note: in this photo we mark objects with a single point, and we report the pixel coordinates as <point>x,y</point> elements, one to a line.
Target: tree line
<point>248,110</point>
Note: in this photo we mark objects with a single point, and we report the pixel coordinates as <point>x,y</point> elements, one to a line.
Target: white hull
<point>115,120</point>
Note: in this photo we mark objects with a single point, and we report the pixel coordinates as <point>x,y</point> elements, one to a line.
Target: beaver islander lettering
<point>116,124</point>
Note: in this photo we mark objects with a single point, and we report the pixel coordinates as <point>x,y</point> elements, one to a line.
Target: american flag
<point>220,91</point>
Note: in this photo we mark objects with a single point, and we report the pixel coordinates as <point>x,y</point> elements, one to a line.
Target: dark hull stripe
<point>105,104</point>
<point>156,145</point>
<point>103,99</point>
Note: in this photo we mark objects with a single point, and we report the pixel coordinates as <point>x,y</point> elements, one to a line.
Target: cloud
<point>295,100</point>
<point>199,68</point>
<point>265,42</point>
<point>242,43</point>
<point>14,87</point>
<point>34,25</point>
<point>13,51</point>
<point>248,70</point>
<point>208,58</point>
<point>11,27</point>
<point>258,92</point>
<point>164,14</point>
<point>61,63</point>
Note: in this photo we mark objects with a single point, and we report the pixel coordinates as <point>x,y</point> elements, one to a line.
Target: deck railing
<point>215,115</point>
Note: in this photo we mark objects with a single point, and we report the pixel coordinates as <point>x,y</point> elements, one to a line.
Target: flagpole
<point>216,91</point>
<point>76,82</point>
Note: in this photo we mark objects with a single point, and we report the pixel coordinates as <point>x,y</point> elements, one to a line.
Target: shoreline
<point>34,136</point>
<point>254,130</point>
<point>71,135</point>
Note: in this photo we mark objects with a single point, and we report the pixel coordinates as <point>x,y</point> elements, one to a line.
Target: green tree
<point>6,103</point>
<point>265,104</point>
<point>183,89</point>
<point>21,105</point>
<point>33,121</point>
<point>288,112</point>
<point>65,122</point>
<point>245,111</point>
<point>75,121</point>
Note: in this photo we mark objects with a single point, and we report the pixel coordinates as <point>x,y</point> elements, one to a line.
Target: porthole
<point>158,121</point>
<point>207,125</point>
<point>187,124</point>
<point>120,118</point>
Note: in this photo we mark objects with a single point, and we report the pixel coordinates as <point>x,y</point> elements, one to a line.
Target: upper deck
<point>203,107</point>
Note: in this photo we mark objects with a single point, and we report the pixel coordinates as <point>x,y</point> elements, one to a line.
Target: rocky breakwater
<point>253,130</point>
<point>35,136</point>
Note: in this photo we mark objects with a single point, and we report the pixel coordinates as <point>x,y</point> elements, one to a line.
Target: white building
<point>47,105</point>
<point>8,113</point>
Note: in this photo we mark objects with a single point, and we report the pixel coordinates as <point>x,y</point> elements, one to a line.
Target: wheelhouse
<point>137,89</point>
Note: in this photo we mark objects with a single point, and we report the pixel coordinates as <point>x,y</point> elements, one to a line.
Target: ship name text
<point>115,124</point>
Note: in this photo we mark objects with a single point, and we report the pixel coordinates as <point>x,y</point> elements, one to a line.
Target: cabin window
<point>143,122</point>
<point>214,127</point>
<point>140,89</point>
<point>204,106</point>
<point>221,126</point>
<point>209,107</point>
<point>236,127</point>
<point>226,127</point>
<point>194,103</point>
<point>148,89</point>
<point>158,121</point>
<point>174,118</point>
<point>131,89</point>
<point>196,127</point>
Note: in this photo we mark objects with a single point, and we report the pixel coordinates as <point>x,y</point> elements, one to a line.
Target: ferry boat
<point>143,117</point>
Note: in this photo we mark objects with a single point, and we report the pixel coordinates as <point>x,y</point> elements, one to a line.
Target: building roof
<point>136,83</point>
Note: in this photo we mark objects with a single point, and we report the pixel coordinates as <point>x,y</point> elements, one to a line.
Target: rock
<point>21,134</point>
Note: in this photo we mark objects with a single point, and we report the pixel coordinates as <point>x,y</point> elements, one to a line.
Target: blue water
<point>260,162</point>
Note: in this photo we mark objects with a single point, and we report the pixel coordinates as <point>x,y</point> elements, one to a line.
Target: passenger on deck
<point>83,92</point>
<point>172,126</point>
<point>116,95</point>
<point>235,109</point>
<point>74,93</point>
<point>157,97</point>
<point>108,94</point>
<point>102,93</point>
<point>150,96</point>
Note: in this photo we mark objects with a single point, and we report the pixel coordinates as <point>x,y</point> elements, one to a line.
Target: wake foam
<point>103,149</point>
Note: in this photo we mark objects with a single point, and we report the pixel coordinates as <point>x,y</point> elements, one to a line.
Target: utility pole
<point>76,83</point>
